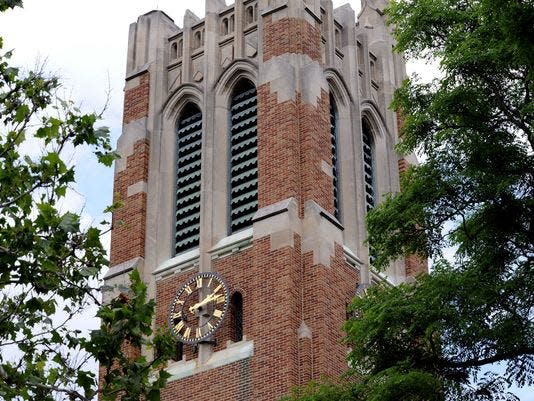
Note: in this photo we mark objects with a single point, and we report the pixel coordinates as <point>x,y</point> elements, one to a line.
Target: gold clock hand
<point>209,298</point>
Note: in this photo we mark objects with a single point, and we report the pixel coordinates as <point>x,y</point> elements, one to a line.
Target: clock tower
<point>255,140</point>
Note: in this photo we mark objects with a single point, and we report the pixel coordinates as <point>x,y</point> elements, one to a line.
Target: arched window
<point>236,305</point>
<point>180,48</point>
<point>243,156</point>
<point>178,351</point>
<point>224,27</point>
<point>188,171</point>
<point>174,51</point>
<point>231,24</point>
<point>197,42</point>
<point>249,15</point>
<point>334,144</point>
<point>369,165</point>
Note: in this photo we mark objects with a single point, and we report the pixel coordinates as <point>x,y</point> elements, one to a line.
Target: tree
<point>50,264</point>
<point>438,338</point>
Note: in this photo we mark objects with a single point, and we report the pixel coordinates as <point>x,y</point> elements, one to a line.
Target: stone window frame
<point>338,91</point>
<point>235,85</point>
<point>223,89</point>
<point>383,150</point>
<point>187,105</point>
<point>176,49</point>
<point>164,187</point>
<point>227,24</point>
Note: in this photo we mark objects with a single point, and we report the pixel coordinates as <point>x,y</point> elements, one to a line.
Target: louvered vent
<point>189,147</point>
<point>368,166</point>
<point>369,176</point>
<point>244,157</point>
<point>335,164</point>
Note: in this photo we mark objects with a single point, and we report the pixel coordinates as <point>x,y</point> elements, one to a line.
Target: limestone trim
<point>378,277</point>
<point>178,99</point>
<point>280,222</point>
<point>138,187</point>
<point>132,133</point>
<point>321,232</point>
<point>285,9</point>
<point>273,10</point>
<point>369,108</point>
<point>233,353</point>
<point>137,72</point>
<point>238,69</point>
<point>304,331</point>
<point>352,259</point>
<point>327,168</point>
<point>338,87</point>
<point>123,268</point>
<point>185,261</point>
<point>232,243</point>
<point>273,210</point>
<point>290,73</point>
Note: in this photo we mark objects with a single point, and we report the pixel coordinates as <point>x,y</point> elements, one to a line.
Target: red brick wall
<point>400,122</point>
<point>136,100</point>
<point>415,266</point>
<point>231,382</point>
<point>291,35</point>
<point>129,222</point>
<point>403,165</point>
<point>280,288</point>
<point>314,126</point>
<point>293,136</point>
<point>293,142</point>
<point>278,149</point>
<point>327,291</point>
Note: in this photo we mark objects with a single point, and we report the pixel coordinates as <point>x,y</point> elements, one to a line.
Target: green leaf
<point>22,113</point>
<point>70,222</point>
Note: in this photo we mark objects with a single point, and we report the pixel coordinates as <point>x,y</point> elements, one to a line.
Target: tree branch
<point>29,191</point>
<point>71,393</point>
<point>475,362</point>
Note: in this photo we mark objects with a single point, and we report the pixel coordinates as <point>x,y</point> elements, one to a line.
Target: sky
<point>85,44</point>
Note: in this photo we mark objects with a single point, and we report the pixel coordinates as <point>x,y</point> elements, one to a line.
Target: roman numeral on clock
<point>179,326</point>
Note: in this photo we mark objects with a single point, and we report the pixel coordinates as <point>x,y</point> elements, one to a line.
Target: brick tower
<point>254,142</point>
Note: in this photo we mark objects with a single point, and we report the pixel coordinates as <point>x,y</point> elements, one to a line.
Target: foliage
<point>50,264</point>
<point>127,325</point>
<point>439,338</point>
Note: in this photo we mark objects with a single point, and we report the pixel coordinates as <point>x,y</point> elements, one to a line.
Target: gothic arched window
<point>249,15</point>
<point>188,172</point>
<point>243,156</point>
<point>197,40</point>
<point>334,145</point>
<point>180,48</point>
<point>236,305</point>
<point>231,24</point>
<point>225,27</point>
<point>369,165</point>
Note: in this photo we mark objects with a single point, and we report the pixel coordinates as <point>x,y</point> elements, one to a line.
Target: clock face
<point>199,308</point>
